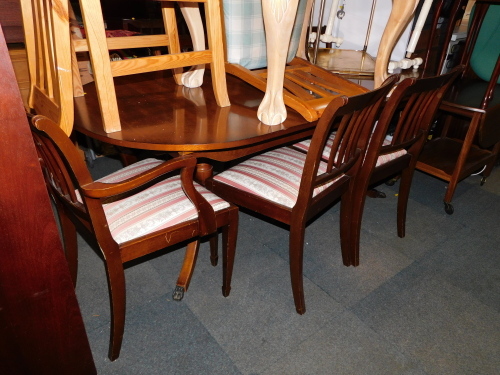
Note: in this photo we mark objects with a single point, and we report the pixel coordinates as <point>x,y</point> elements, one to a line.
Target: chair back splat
<point>140,209</point>
<point>292,187</point>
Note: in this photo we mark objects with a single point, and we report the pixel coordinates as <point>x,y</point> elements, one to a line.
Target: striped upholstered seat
<point>382,159</point>
<point>158,207</point>
<point>274,175</point>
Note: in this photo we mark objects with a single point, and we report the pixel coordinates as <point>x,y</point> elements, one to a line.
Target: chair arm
<point>389,149</point>
<point>106,190</point>
<point>186,163</point>
<point>206,213</point>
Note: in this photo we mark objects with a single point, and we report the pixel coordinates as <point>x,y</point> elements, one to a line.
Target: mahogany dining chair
<point>407,116</point>
<point>138,210</point>
<point>292,187</point>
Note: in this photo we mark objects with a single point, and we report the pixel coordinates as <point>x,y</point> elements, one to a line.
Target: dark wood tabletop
<point>156,114</point>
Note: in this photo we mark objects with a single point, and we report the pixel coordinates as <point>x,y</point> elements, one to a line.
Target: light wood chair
<point>104,70</point>
<point>48,46</point>
<point>292,187</point>
<point>135,211</point>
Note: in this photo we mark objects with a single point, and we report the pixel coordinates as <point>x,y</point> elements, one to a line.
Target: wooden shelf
<point>439,158</point>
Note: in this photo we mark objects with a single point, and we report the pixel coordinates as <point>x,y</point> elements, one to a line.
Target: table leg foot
<point>203,172</point>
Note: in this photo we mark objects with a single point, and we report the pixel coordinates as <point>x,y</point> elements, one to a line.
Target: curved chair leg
<point>229,236</point>
<point>345,228</point>
<point>454,178</point>
<point>186,270</point>
<point>296,251</point>
<point>70,242</point>
<point>357,207</point>
<point>116,284</point>
<point>403,196</point>
<point>214,249</point>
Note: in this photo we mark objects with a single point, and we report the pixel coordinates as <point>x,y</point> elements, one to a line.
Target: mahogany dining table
<point>158,115</point>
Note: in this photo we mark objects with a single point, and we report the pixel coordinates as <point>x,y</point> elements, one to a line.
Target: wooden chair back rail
<point>123,42</point>
<point>155,63</point>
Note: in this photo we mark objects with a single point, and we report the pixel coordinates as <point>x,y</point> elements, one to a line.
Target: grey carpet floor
<point>428,303</point>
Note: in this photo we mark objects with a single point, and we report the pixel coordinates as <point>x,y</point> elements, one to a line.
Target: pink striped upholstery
<point>158,207</point>
<point>274,175</point>
<point>382,159</point>
<point>130,171</point>
<point>304,146</point>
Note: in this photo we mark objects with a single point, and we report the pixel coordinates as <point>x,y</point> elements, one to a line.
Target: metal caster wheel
<point>483,180</point>
<point>448,208</point>
<point>178,293</point>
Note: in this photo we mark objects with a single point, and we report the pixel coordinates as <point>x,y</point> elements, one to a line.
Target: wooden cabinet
<point>18,56</point>
<point>12,25</point>
<point>11,21</point>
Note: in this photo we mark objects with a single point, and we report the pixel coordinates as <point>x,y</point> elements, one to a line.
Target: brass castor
<point>178,293</point>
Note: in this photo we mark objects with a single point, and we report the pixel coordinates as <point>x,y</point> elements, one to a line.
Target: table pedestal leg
<point>203,172</point>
